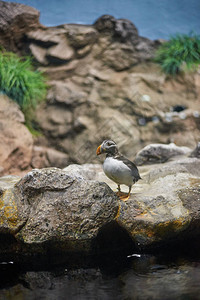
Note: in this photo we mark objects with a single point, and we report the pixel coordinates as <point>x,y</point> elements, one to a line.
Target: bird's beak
<point>98,152</point>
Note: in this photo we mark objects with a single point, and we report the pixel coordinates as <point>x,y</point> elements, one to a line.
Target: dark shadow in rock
<point>113,238</point>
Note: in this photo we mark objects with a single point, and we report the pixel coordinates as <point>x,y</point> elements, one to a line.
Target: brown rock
<point>43,157</point>
<point>16,20</point>
<point>102,85</point>
<point>119,56</point>
<point>16,142</point>
<point>39,54</point>
<point>60,53</point>
<point>80,35</point>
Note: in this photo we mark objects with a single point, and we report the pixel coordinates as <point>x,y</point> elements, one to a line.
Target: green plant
<point>180,53</point>
<point>20,81</point>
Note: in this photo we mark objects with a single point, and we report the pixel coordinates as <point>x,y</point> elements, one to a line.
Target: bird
<point>118,168</point>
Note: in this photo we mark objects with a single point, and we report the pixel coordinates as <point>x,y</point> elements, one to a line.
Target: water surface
<point>134,277</point>
<point>154,19</point>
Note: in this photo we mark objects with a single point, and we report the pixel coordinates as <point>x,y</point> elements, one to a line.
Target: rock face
<point>103,84</point>
<point>75,210</point>
<point>107,87</point>
<point>15,20</point>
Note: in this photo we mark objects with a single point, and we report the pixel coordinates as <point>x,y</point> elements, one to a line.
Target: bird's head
<point>108,146</point>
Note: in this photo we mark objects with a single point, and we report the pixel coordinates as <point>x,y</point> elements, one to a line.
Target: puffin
<point>118,168</point>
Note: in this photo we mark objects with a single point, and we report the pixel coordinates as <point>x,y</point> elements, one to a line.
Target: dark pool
<point>110,277</point>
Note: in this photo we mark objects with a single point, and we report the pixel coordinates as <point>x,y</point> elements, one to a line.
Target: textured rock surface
<point>16,141</point>
<point>16,20</point>
<point>76,210</point>
<point>102,85</point>
<point>13,210</point>
<point>159,153</point>
<point>196,152</point>
<point>48,209</point>
<point>163,206</point>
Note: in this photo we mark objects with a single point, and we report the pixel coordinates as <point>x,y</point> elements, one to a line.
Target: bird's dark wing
<point>131,165</point>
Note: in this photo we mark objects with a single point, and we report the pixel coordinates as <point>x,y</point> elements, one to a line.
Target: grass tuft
<point>180,53</point>
<point>20,82</point>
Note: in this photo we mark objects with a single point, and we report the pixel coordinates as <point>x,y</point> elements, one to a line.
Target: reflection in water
<point>136,277</point>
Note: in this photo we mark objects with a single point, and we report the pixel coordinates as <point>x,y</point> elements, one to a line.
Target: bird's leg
<point>129,190</point>
<point>119,193</point>
<point>126,196</point>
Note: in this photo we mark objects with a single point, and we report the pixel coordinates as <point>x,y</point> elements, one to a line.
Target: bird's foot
<point>119,193</point>
<point>123,196</point>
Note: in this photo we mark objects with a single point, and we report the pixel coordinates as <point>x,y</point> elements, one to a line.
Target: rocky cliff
<point>102,83</point>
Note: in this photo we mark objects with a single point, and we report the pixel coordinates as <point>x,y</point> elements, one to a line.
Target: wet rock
<point>159,153</point>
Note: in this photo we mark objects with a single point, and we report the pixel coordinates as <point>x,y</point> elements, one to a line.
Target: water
<point>140,277</point>
<point>154,19</point>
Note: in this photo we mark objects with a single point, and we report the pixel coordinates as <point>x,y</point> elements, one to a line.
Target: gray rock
<point>67,211</point>
<point>159,153</point>
<point>64,210</point>
<point>7,182</point>
<point>86,171</point>
<point>164,205</point>
<point>123,29</point>
<point>196,151</point>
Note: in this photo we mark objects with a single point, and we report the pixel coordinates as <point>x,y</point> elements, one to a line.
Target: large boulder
<point>163,207</point>
<point>48,210</point>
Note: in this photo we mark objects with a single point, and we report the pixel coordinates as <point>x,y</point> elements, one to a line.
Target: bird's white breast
<point>117,171</point>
